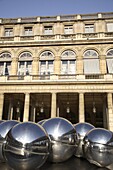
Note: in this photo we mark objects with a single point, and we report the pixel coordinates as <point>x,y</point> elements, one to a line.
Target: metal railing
<point>94,76</point>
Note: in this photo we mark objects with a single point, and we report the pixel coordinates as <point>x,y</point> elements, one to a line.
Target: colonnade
<point>54,109</point>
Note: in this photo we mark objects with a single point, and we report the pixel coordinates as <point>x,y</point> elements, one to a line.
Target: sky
<point>32,8</point>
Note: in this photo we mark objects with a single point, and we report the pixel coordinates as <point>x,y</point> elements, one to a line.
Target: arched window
<point>46,63</point>
<point>25,64</point>
<point>68,62</point>
<point>5,63</point>
<point>91,62</point>
<point>109,61</point>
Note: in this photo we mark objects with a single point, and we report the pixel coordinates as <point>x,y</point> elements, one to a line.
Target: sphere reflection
<point>81,130</point>
<point>63,137</point>
<point>5,126</point>
<point>98,147</point>
<point>27,146</point>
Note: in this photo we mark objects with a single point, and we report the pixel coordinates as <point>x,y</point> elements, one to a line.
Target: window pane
<point>110,27</point>
<point>1,68</point>
<point>28,30</point>
<point>89,28</point>
<point>91,66</point>
<point>110,53</point>
<point>64,68</point>
<point>8,68</point>
<point>8,32</point>
<point>48,30</point>
<point>50,67</point>
<point>72,66</point>
<point>110,66</point>
<point>42,67</point>
<point>21,69</point>
<point>68,30</point>
<point>28,67</point>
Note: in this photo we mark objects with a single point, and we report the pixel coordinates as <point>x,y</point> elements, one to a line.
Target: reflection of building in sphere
<point>98,147</point>
<point>27,146</point>
<point>81,129</point>
<point>62,134</point>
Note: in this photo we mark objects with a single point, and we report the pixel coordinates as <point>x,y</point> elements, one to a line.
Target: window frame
<point>48,30</point>
<point>8,32</point>
<point>89,28</point>
<point>28,30</point>
<point>68,29</point>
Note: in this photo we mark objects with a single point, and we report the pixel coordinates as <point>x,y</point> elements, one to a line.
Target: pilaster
<point>26,107</point>
<point>53,105</point>
<point>81,107</point>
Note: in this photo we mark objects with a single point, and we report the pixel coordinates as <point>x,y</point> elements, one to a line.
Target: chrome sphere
<point>81,129</point>
<point>98,147</point>
<point>63,137</point>
<point>27,146</point>
<point>5,126</point>
<point>41,121</point>
<point>2,121</point>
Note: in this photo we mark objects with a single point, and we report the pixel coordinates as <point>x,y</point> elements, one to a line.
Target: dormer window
<point>8,32</point>
<point>28,31</point>
<point>48,30</point>
<point>110,27</point>
<point>68,29</point>
<point>89,28</point>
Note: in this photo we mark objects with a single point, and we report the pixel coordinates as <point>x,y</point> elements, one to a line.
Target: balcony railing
<point>62,37</point>
<point>67,76</point>
<point>15,77</point>
<point>94,76</point>
<point>57,77</point>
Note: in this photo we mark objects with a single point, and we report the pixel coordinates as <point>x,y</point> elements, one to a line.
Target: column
<point>1,105</point>
<point>104,112</point>
<point>57,65</point>
<point>103,69</point>
<point>79,65</point>
<point>14,66</point>
<point>26,107</point>
<point>34,113</point>
<point>81,107</point>
<point>35,66</point>
<point>53,105</point>
<point>10,111</point>
<point>110,111</point>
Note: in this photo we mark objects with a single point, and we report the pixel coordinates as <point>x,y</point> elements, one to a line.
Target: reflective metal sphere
<point>2,121</point>
<point>27,146</point>
<point>5,126</point>
<point>81,130</point>
<point>41,121</point>
<point>63,137</point>
<point>98,147</point>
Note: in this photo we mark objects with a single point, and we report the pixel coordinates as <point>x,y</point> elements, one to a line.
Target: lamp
<point>42,108</point>
<point>68,108</point>
<point>18,107</point>
<point>94,107</point>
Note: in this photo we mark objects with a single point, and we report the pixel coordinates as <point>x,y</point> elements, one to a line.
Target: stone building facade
<point>57,66</point>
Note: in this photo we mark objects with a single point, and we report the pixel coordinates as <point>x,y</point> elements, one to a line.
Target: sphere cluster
<point>28,145</point>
